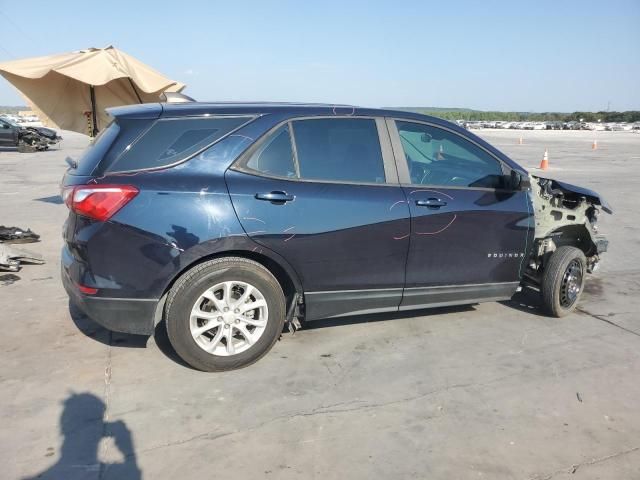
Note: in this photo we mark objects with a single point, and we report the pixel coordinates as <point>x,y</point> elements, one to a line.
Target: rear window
<point>96,150</point>
<point>170,141</point>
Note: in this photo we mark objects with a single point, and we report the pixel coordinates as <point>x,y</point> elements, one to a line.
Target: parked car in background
<point>35,138</point>
<point>229,221</point>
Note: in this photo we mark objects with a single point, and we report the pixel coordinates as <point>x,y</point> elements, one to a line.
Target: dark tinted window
<point>275,155</point>
<point>97,149</point>
<point>436,156</point>
<point>171,140</point>
<point>346,149</point>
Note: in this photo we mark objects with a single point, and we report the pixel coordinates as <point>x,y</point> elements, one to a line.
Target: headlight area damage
<point>565,215</point>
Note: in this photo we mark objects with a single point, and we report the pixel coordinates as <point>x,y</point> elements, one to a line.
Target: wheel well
<point>284,279</point>
<point>575,236</point>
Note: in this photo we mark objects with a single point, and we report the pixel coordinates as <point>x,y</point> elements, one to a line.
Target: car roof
<point>186,109</point>
<point>295,108</point>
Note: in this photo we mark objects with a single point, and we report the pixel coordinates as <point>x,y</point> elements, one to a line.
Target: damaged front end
<point>565,215</point>
<point>37,138</point>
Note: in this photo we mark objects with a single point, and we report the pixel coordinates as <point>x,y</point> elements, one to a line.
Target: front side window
<point>436,156</point>
<point>339,149</point>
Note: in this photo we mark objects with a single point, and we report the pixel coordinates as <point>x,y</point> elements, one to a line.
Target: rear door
<point>323,193</point>
<point>470,233</point>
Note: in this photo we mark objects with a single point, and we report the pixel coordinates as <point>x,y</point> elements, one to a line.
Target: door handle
<point>275,197</point>
<point>431,203</point>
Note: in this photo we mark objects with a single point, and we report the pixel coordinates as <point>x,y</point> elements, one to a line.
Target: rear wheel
<point>563,281</point>
<point>225,314</point>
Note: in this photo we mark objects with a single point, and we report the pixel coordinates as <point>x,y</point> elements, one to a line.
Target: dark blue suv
<point>228,220</point>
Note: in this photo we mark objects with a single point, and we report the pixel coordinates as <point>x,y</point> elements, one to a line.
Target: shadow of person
<point>83,427</point>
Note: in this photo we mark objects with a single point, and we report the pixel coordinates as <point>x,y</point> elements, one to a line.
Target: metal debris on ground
<point>17,235</point>
<point>11,258</point>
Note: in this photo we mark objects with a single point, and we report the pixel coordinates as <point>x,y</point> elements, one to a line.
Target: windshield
<point>10,122</point>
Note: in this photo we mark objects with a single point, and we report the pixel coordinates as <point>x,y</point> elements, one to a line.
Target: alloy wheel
<point>228,318</point>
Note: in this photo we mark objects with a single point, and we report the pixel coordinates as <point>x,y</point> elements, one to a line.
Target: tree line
<point>477,115</point>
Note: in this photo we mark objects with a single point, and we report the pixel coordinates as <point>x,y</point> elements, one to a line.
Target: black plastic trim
<point>320,305</point>
<point>331,304</point>
<point>126,315</point>
<point>441,296</point>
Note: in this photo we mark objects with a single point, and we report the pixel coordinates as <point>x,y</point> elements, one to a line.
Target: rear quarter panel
<point>181,215</point>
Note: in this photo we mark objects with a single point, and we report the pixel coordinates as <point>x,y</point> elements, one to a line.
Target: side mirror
<point>519,180</point>
<point>426,138</point>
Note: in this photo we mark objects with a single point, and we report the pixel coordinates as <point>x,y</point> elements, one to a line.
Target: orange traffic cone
<point>594,145</point>
<point>544,164</point>
<point>520,142</point>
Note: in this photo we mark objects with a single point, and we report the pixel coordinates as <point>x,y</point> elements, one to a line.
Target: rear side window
<point>275,155</point>
<point>344,150</point>
<point>170,141</point>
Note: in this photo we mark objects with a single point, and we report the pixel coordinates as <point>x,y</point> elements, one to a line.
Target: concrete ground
<point>493,391</point>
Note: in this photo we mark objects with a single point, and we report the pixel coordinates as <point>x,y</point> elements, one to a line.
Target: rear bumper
<point>127,315</point>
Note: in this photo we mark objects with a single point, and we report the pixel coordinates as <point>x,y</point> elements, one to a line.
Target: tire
<point>25,148</point>
<point>560,293</point>
<point>193,293</point>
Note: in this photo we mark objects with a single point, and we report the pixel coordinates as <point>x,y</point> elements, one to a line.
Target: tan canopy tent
<point>70,91</point>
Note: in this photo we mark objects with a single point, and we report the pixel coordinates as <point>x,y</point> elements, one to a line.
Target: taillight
<point>100,202</point>
<point>87,290</point>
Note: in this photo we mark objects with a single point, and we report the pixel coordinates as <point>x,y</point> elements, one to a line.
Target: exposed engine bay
<point>564,215</point>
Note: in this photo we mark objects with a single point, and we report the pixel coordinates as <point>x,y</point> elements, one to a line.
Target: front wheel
<point>225,314</point>
<point>563,281</point>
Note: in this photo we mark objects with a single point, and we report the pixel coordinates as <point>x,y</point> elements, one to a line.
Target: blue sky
<point>525,56</point>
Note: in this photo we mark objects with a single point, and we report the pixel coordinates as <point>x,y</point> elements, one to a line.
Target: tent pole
<point>135,90</point>
<point>93,110</point>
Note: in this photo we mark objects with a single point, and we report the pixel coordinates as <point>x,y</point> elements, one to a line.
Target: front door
<point>7,135</point>
<point>323,194</point>
<point>470,233</point>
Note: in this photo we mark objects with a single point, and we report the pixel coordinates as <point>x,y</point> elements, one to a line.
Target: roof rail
<point>175,97</point>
